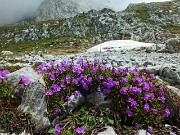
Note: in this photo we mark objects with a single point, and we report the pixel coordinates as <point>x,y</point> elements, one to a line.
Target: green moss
<point>175,29</point>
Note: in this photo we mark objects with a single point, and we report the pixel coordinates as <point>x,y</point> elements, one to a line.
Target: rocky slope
<point>153,22</point>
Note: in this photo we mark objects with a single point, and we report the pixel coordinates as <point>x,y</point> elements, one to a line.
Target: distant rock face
<point>58,9</point>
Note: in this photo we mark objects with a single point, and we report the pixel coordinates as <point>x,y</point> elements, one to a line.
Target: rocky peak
<point>58,9</point>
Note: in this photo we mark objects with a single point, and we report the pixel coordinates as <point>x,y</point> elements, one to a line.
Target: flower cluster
<point>3,74</point>
<point>136,94</point>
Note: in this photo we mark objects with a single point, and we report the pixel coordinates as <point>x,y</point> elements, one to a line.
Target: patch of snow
<point>118,45</point>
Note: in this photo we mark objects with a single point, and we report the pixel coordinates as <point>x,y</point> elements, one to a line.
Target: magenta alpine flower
<point>134,72</point>
<point>146,107</point>
<point>124,80</point>
<point>57,110</point>
<point>56,88</point>
<point>148,96</point>
<point>133,102</point>
<point>152,76</point>
<point>48,92</point>
<point>123,91</point>
<point>77,93</point>
<point>80,130</point>
<point>161,90</point>
<point>172,133</point>
<point>3,74</point>
<point>162,99</point>
<point>129,112</point>
<point>68,79</point>
<point>75,81</point>
<point>167,112</point>
<point>57,129</point>
<point>146,86</point>
<point>68,99</point>
<point>100,77</point>
<point>25,80</point>
<point>150,129</point>
<point>52,77</point>
<point>106,91</point>
<point>154,111</point>
<point>94,71</point>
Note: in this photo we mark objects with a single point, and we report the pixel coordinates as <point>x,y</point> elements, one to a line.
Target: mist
<point>15,10</point>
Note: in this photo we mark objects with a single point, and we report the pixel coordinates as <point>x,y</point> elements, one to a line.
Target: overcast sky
<point>14,10</point>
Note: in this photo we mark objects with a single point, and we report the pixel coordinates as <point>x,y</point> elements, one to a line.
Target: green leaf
<point>110,121</point>
<point>51,130</point>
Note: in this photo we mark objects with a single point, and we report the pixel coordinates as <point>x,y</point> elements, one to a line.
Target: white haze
<point>15,10</point>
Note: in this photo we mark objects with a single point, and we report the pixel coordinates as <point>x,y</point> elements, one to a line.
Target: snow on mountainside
<point>58,9</point>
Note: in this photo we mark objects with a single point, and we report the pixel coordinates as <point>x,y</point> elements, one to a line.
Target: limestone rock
<point>170,75</point>
<point>109,131</point>
<point>33,99</point>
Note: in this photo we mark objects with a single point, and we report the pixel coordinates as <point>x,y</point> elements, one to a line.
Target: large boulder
<point>32,94</point>
<point>170,75</point>
<point>173,45</point>
<point>172,95</point>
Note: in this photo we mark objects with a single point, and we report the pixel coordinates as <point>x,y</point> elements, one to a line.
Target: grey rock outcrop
<point>170,75</point>
<point>33,99</point>
<point>58,9</point>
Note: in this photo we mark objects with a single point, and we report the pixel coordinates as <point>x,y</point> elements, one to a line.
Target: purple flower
<point>146,86</point>
<point>167,112</point>
<point>94,71</point>
<point>150,129</point>
<point>52,77</point>
<point>139,80</point>
<point>108,85</point>
<point>154,111</point>
<point>152,76</point>
<point>56,88</point>
<point>133,102</point>
<point>25,80</point>
<point>129,113</point>
<point>3,74</point>
<point>172,133</point>
<point>124,80</point>
<point>106,91</point>
<point>80,61</point>
<point>77,93</point>
<point>89,80</point>
<point>134,72</point>
<point>162,99</point>
<point>57,110</point>
<point>68,99</point>
<point>48,92</point>
<point>68,79</point>
<point>80,130</point>
<point>161,90</point>
<point>116,72</point>
<point>146,107</point>
<point>136,125</point>
<point>148,96</point>
<point>57,129</point>
<point>135,89</point>
<point>143,70</point>
<point>100,77</point>
<point>75,81</point>
<point>123,91</point>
